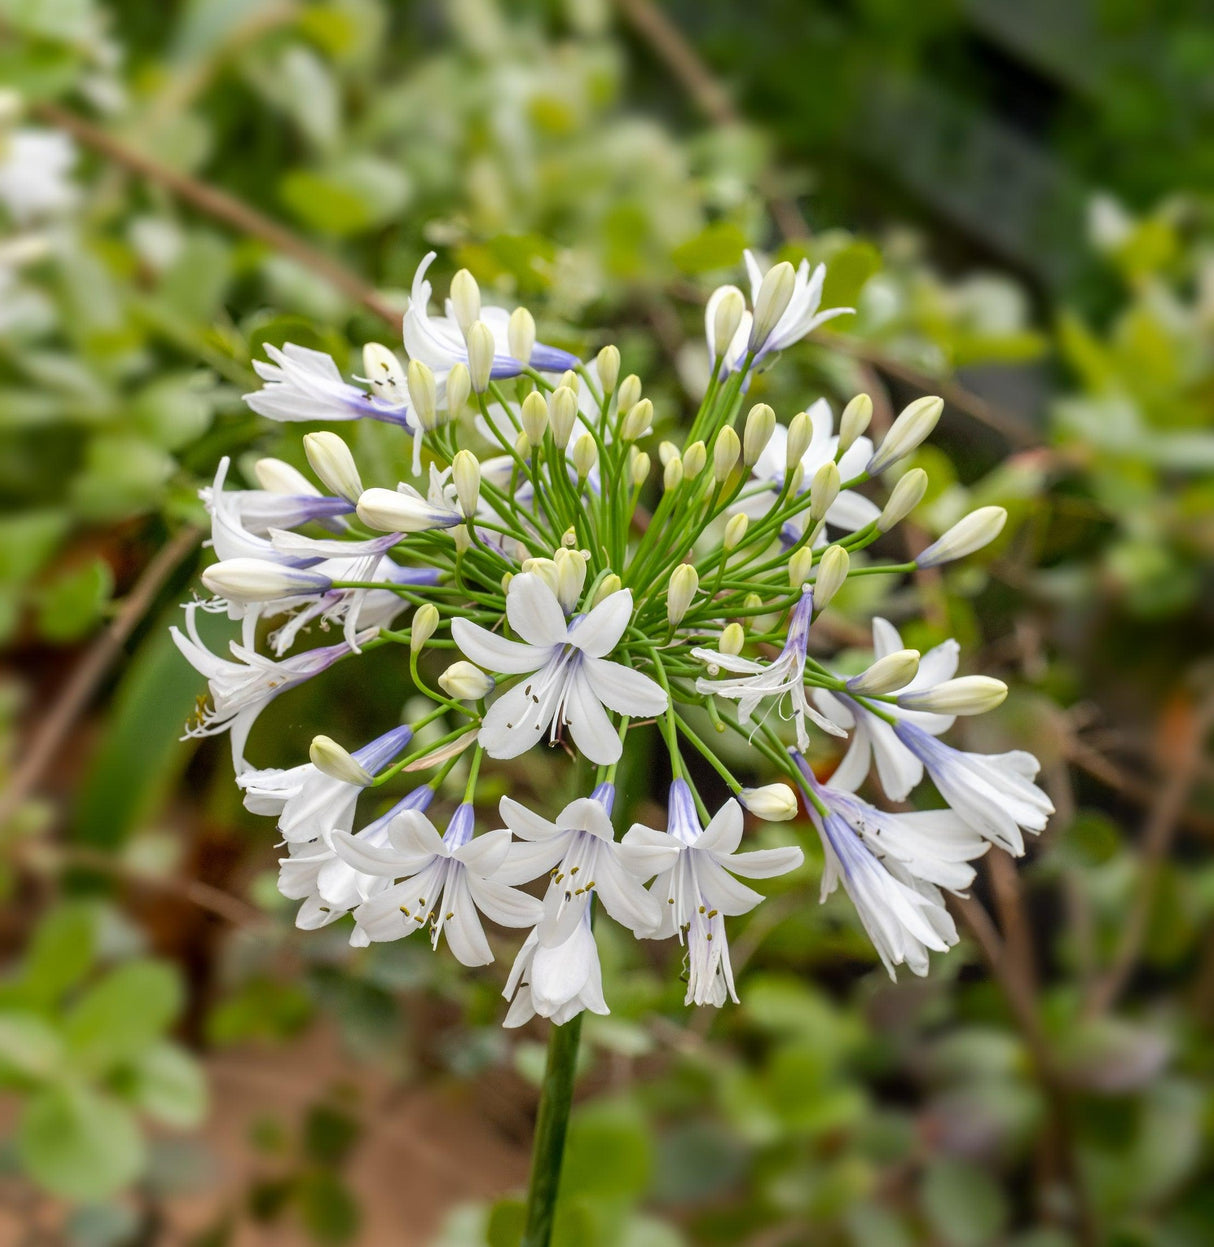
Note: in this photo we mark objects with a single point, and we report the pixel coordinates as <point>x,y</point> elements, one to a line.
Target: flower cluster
<point>574,616</point>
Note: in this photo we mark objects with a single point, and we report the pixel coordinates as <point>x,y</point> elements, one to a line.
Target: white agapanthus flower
<point>784,676</point>
<point>570,678</point>
<point>696,888</point>
<point>873,738</point>
<point>444,882</point>
<point>556,981</point>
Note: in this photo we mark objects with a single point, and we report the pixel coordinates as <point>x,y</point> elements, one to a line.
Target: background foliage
<point>1024,228</point>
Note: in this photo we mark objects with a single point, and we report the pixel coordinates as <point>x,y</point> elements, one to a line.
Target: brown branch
<point>74,698</point>
<point>223,207</point>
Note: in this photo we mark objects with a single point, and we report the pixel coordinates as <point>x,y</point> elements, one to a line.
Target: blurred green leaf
<point>327,1208</point>
<point>169,1085</point>
<point>60,953</point>
<point>963,1203</point>
<point>30,1047</point>
<point>716,246</point>
<point>70,606</point>
<point>123,1015</point>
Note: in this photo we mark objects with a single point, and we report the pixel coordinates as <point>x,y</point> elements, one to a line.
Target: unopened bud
<point>666,452</point>
<point>569,538</point>
<point>534,417</point>
<point>465,301</point>
<point>853,422</point>
<point>338,763</point>
<point>545,569</point>
<point>796,478</point>
<point>799,566</point>
<point>832,572</point>
<point>425,622</point>
<point>892,672</point>
<point>331,460</point>
<point>384,374</point>
<point>465,682</point>
<point>459,388</point>
<point>466,474</point>
<point>480,356</point>
<point>572,380</point>
<point>672,474</point>
<point>522,446</point>
<point>725,452</point>
<point>562,412</point>
<point>905,496</point>
<point>684,582</point>
<point>610,584</point>
<point>585,456</point>
<point>776,803</point>
<point>262,580</point>
<point>641,464</point>
<point>914,424</point>
<point>752,604</point>
<point>423,393</point>
<point>760,425</point>
<point>694,459</point>
<point>726,309</point>
<point>976,530</point>
<point>281,478</point>
<point>823,490</point>
<point>520,335</point>
<point>735,530</point>
<point>775,291</point>
<point>638,421</point>
<point>608,364</point>
<point>968,694</point>
<point>800,434</point>
<point>630,392</point>
<point>570,578</point>
<point>733,638</point>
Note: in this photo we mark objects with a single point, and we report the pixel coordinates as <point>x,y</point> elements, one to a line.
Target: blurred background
<point>1016,198</point>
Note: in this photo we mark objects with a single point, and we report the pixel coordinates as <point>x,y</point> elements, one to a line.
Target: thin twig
<point>223,207</point>
<point>74,698</point>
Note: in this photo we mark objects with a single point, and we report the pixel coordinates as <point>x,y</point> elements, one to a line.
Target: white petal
<point>599,632</point>
<point>646,852</point>
<point>724,832</point>
<point>506,906</point>
<point>514,724</point>
<point>369,858</point>
<point>591,729</point>
<point>496,653</point>
<point>534,612</point>
<point>462,926</point>
<point>485,854</point>
<point>624,690</point>
<point>763,863</point>
<point>525,822</point>
<point>412,834</point>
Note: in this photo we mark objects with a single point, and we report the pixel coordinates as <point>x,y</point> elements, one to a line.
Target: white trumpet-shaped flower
<point>696,888</point>
<point>800,315</point>
<point>445,882</point>
<point>570,680</point>
<point>556,981</point>
<point>783,677</point>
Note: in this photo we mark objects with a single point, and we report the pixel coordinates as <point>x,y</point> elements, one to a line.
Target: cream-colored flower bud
<point>666,452</point>
<point>905,496</point>
<point>461,539</point>
<point>534,417</point>
<point>799,566</point>
<point>465,301</point>
<point>423,393</point>
<point>640,465</point>
<point>338,763</point>
<point>771,303</point>
<point>520,335</point>
<point>562,412</point>
<point>630,392</point>
<point>569,538</point>
<point>425,622</point>
<point>465,682</point>
<point>823,490</point>
<point>796,478</point>
<point>684,583</point>
<point>638,421</point>
<point>522,446</point>
<point>608,364</point>
<point>832,572</point>
<point>384,374</point>
<point>725,452</point>
<point>853,422</point>
<point>331,460</point>
<point>914,424</point>
<point>672,474</point>
<point>694,459</point>
<point>545,569</point>
<point>507,577</point>
<point>976,530</point>
<point>466,475</point>
<point>281,478</point>
<point>585,456</point>
<point>735,530</point>
<point>733,638</point>
<point>570,578</point>
<point>800,434</point>
<point>776,803</point>
<point>480,356</point>
<point>752,603</point>
<point>760,425</point>
<point>572,380</point>
<point>610,584</point>
<point>968,694</point>
<point>727,316</point>
<point>459,389</point>
<point>892,672</point>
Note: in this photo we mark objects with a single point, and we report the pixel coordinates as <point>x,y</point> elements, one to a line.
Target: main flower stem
<point>548,1151</point>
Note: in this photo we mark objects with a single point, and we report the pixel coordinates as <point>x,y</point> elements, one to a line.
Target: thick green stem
<point>548,1151</point>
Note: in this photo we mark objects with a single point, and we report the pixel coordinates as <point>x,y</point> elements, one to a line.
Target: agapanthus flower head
<point>550,576</point>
